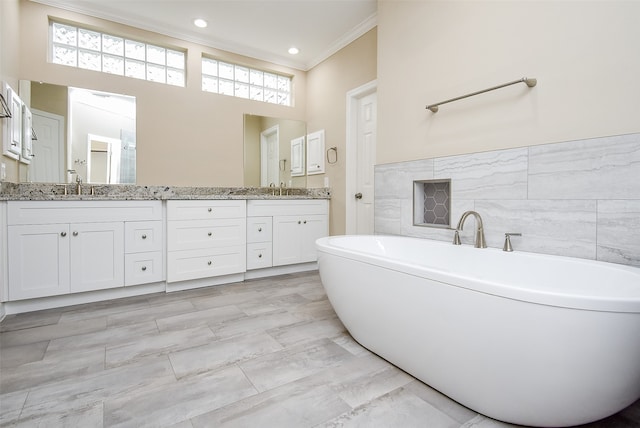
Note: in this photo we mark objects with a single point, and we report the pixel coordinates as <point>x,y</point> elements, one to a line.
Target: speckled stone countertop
<point>124,192</point>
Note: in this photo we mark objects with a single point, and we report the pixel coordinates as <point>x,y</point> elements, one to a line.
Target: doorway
<point>269,156</point>
<point>103,159</point>
<point>47,165</point>
<point>362,108</point>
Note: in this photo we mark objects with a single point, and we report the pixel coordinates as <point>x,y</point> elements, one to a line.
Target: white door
<point>360,158</point>
<point>47,164</point>
<point>365,161</point>
<point>269,156</point>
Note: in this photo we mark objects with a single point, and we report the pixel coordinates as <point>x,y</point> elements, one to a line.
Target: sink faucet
<point>480,242</point>
<point>78,184</point>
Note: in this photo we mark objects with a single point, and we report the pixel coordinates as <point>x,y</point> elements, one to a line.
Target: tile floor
<point>263,353</point>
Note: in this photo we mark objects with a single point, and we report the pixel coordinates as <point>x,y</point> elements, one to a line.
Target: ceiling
<point>262,29</point>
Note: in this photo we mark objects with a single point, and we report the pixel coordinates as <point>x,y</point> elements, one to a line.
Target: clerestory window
<point>92,50</point>
<point>243,82</point>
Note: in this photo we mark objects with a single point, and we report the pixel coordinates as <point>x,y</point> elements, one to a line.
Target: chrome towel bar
<point>529,81</point>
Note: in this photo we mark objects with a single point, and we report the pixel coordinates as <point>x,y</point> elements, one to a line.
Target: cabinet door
<point>286,239</point>
<point>313,227</point>
<point>294,238</point>
<point>97,256</point>
<point>38,261</point>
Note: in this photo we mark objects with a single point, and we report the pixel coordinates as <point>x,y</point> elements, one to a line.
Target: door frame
<point>353,97</point>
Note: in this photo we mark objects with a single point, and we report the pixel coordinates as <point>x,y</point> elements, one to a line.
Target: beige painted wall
<point>583,53</point>
<point>327,87</point>
<point>9,68</point>
<point>184,136</point>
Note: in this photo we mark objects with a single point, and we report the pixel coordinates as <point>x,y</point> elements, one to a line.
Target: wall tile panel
<point>578,198</point>
<point>619,231</point>
<point>598,168</point>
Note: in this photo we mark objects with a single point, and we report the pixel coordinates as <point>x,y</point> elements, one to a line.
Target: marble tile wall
<point>577,198</point>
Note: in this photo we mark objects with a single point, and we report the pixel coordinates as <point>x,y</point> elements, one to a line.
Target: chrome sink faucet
<point>78,184</point>
<point>480,241</point>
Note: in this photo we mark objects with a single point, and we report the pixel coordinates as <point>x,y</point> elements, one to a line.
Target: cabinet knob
<point>209,234</point>
<point>75,233</point>
<point>259,229</point>
<point>209,262</point>
<point>209,209</point>
<point>63,234</point>
<point>299,222</point>
<point>144,268</point>
<point>260,255</point>
<point>305,222</point>
<point>144,236</point>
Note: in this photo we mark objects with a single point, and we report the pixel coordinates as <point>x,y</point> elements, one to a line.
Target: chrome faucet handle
<point>456,238</point>
<point>507,241</point>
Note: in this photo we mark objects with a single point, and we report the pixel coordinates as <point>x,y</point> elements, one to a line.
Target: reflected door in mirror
<point>47,165</point>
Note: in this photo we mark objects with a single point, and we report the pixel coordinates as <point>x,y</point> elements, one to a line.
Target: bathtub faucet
<point>480,242</point>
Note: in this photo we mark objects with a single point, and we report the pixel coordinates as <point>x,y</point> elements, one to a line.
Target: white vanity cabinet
<point>205,238</point>
<point>56,248</point>
<point>295,226</point>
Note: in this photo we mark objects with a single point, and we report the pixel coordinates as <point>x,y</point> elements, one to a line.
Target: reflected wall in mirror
<point>267,151</point>
<point>82,132</point>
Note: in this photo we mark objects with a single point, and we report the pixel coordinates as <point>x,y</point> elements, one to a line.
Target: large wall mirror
<point>81,132</point>
<point>273,152</point>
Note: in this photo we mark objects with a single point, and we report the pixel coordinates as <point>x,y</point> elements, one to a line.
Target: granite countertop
<point>123,192</point>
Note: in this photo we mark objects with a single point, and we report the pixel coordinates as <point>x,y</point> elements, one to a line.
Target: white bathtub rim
<point>630,304</point>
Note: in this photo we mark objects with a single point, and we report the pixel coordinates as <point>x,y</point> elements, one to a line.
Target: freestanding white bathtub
<point>524,338</point>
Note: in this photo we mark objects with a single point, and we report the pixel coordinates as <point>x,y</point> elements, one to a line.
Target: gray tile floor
<point>264,353</point>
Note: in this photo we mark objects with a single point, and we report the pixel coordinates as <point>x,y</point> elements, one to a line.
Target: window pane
<point>175,59</point>
<point>283,98</point>
<point>133,68</point>
<point>65,55</point>
<point>156,54</point>
<point>270,81</point>
<point>156,73</point>
<point>112,45</point>
<point>65,34</point>
<point>90,60</point>
<point>242,74</point>
<point>209,67</point>
<point>225,87</point>
<point>257,78</point>
<point>88,39</point>
<point>256,93</point>
<point>242,90</point>
<point>134,50</point>
<point>210,84</point>
<point>175,77</point>
<point>225,70</point>
<point>284,84</point>
<point>113,64</point>
<point>270,96</point>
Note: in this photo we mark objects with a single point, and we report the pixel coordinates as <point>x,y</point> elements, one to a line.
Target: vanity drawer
<point>142,268</point>
<point>205,210</point>
<point>259,255</point>
<point>142,236</point>
<point>191,235</point>
<point>259,229</point>
<point>194,264</point>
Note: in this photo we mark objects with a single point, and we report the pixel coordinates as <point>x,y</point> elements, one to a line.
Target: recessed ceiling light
<point>200,23</point>
<point>293,51</point>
